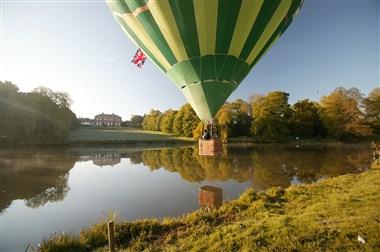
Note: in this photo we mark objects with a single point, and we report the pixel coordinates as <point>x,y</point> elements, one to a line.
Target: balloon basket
<point>211,147</point>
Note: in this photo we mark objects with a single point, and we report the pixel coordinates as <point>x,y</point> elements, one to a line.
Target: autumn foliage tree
<point>185,121</point>
<point>341,114</point>
<point>190,120</point>
<point>270,117</point>
<point>372,109</point>
<point>241,119</point>
<point>305,121</point>
<point>224,120</point>
<point>152,120</point>
<point>167,121</point>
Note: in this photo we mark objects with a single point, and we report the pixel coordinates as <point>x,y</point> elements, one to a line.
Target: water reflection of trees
<point>264,167</point>
<point>36,178</point>
<point>195,168</point>
<point>56,193</point>
<point>135,157</point>
<point>43,177</point>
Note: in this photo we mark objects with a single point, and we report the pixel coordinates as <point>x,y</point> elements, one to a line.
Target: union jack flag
<point>139,58</point>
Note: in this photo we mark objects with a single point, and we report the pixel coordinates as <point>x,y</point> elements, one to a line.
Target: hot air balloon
<point>206,47</point>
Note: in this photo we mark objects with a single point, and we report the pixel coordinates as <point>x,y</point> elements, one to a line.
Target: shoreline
<point>89,144</point>
<point>326,215</point>
<point>188,142</point>
<point>100,137</point>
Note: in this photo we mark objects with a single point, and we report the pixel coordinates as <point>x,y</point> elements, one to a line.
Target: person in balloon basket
<point>206,135</point>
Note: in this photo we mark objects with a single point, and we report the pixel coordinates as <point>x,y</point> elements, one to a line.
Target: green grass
<point>325,216</point>
<point>121,135</point>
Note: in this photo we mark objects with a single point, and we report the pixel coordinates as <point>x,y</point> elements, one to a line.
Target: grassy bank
<point>111,136</point>
<point>325,216</point>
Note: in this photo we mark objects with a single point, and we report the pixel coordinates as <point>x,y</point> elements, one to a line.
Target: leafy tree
<point>177,123</point>
<point>190,120</point>
<point>223,120</point>
<point>62,99</point>
<point>136,121</point>
<point>34,118</point>
<point>372,109</point>
<point>198,131</point>
<point>241,121</point>
<point>305,121</point>
<point>185,121</point>
<point>270,117</point>
<point>7,87</point>
<point>341,114</point>
<point>152,120</point>
<point>167,121</point>
<point>233,119</point>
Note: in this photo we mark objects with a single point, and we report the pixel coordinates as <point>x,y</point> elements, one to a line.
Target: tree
<point>136,121</point>
<point>178,122</point>
<point>39,117</point>
<point>341,114</point>
<point>152,120</point>
<point>241,121</point>
<point>198,131</point>
<point>190,120</point>
<point>372,109</point>
<point>62,99</point>
<point>223,120</point>
<point>7,87</point>
<point>233,119</point>
<point>270,117</point>
<point>305,121</point>
<point>167,121</point>
<point>185,121</point>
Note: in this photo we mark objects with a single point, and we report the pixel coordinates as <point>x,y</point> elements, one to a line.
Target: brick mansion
<point>105,120</point>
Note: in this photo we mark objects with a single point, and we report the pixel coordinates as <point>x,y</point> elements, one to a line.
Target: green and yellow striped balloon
<point>206,47</point>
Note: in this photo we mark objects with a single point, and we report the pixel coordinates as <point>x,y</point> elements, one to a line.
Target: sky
<point>76,46</point>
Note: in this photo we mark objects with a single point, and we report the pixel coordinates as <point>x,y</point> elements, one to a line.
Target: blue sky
<point>77,47</point>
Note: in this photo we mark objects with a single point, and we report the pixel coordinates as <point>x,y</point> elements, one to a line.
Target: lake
<point>43,191</point>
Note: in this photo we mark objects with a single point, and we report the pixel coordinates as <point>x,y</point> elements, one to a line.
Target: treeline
<point>183,122</point>
<point>38,117</point>
<point>345,114</point>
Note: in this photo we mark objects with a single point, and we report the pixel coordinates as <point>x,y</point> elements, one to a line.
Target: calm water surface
<point>43,192</point>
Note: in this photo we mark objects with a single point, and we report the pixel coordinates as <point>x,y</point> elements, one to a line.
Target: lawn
<point>336,214</point>
<point>121,135</point>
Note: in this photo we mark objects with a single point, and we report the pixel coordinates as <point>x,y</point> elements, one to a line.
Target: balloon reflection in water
<point>210,197</point>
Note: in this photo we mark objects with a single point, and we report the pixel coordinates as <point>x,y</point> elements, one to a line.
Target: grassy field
<point>121,135</point>
<point>325,216</point>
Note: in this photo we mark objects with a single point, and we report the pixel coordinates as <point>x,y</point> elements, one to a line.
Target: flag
<point>139,58</point>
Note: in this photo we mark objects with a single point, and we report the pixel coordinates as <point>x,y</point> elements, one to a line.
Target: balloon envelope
<point>206,47</point>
